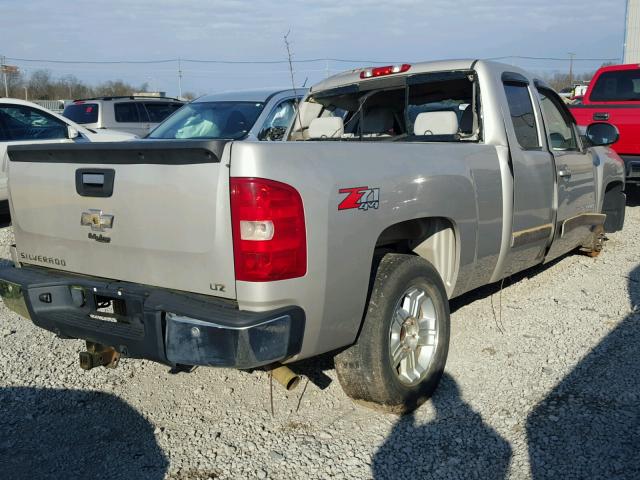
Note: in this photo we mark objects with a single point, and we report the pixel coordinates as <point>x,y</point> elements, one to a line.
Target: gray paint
<point>470,184</point>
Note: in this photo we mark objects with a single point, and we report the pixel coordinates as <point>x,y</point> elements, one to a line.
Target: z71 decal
<point>362,198</point>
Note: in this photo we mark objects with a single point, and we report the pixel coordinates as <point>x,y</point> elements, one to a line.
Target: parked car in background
<point>134,114</point>
<point>566,93</point>
<point>403,186</point>
<point>244,115</point>
<point>23,122</point>
<point>613,97</point>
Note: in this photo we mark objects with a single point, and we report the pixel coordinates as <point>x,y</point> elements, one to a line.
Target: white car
<point>23,122</point>
<point>134,114</point>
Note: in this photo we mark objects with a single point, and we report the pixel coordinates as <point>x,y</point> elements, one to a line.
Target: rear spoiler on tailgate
<point>160,152</point>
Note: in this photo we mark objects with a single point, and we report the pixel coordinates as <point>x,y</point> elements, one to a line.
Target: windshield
<point>82,112</point>
<point>231,120</point>
<point>617,86</point>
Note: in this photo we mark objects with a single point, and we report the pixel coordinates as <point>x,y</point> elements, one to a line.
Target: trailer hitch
<point>98,355</point>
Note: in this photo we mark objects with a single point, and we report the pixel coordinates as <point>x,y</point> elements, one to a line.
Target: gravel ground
<point>547,387</point>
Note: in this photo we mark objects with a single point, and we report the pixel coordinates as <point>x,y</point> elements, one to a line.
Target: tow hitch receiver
<point>98,355</point>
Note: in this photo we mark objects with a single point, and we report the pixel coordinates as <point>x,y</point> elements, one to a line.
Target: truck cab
<point>613,97</point>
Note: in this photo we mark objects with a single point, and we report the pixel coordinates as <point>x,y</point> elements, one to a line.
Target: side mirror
<point>601,134</point>
<point>273,134</point>
<point>72,133</point>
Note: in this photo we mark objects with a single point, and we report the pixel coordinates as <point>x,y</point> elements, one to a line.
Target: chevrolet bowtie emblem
<point>96,220</point>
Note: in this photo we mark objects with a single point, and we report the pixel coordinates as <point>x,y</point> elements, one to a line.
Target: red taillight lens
<point>269,238</point>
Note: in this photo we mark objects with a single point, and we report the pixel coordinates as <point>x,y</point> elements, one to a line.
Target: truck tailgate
<point>147,212</point>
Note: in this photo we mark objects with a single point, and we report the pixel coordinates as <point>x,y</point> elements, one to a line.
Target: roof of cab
<point>353,76</point>
<point>261,95</point>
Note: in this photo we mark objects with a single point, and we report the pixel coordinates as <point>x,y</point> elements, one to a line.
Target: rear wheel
<point>402,348</point>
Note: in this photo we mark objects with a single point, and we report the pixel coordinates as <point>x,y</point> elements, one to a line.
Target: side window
<point>559,124</point>
<point>278,120</point>
<point>20,123</point>
<point>522,116</point>
<point>126,112</point>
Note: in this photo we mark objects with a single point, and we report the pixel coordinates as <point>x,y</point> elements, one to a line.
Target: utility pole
<point>6,70</point>
<point>179,79</point>
<point>3,67</point>
<point>571,57</point>
<point>327,68</point>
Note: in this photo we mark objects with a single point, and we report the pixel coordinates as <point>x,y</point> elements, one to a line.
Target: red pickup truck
<point>614,97</point>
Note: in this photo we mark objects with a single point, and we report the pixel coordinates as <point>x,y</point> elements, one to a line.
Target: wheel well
<point>431,238</point>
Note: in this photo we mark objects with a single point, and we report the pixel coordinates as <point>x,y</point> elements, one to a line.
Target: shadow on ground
<point>456,444</point>
<point>74,434</point>
<point>589,425</point>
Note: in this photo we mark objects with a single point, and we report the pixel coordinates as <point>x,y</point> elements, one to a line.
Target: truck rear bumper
<point>631,168</point>
<point>146,322</point>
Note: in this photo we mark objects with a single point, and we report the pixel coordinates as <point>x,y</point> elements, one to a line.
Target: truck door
<point>576,211</point>
<point>533,176</point>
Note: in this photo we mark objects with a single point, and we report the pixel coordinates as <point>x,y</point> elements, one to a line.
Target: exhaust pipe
<point>286,377</point>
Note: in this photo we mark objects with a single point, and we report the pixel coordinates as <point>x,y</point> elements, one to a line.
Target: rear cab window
<point>424,107</point>
<point>617,86</point>
<point>82,113</point>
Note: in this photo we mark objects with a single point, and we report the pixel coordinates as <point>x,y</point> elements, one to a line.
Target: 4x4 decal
<point>362,198</point>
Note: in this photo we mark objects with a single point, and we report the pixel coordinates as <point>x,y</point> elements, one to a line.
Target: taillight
<point>269,238</point>
<point>382,71</point>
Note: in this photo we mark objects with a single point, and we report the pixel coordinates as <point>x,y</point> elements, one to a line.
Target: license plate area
<point>109,309</point>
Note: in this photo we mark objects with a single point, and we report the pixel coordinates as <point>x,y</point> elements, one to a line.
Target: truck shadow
<point>589,424</point>
<point>53,434</point>
<point>456,444</point>
<point>493,288</point>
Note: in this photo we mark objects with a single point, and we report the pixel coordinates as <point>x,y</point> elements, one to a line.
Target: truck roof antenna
<point>287,44</point>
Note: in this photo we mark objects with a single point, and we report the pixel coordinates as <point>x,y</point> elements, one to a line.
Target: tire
<point>407,288</point>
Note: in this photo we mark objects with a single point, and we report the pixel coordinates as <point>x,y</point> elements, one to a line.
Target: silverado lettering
<point>42,259</point>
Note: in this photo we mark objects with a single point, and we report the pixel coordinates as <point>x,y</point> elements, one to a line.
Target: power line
<point>189,60</point>
<point>276,62</point>
<point>555,59</point>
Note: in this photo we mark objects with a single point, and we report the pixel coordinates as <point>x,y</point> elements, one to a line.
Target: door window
<point>25,123</point>
<point>126,112</point>
<point>559,125</point>
<point>522,116</point>
<point>278,120</point>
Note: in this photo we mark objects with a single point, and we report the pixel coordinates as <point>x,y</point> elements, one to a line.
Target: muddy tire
<point>400,354</point>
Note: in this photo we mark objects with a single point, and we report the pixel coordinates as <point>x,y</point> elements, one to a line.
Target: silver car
<point>246,115</point>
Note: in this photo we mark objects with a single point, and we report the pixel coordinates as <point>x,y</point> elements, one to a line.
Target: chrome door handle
<point>564,172</point>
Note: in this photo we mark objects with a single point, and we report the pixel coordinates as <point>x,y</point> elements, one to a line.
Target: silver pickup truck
<point>400,188</point>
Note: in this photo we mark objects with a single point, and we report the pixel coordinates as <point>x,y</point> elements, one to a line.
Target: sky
<point>364,32</point>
